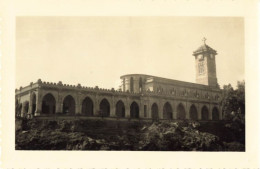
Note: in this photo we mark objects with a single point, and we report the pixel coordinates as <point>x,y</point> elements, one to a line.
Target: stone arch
<point>120,109</point>
<point>193,112</point>
<point>45,92</point>
<point>204,113</point>
<point>104,107</point>
<point>134,110</point>
<point>87,107</point>
<point>17,107</point>
<point>20,108</point>
<point>167,111</point>
<point>33,103</point>
<point>25,107</point>
<point>215,114</point>
<point>69,105</point>
<point>48,104</point>
<point>155,112</point>
<point>181,114</point>
<point>131,84</point>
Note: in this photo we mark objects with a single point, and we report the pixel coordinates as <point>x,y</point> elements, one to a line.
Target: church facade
<point>139,97</point>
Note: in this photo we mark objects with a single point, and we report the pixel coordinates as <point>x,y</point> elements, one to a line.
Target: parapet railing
<point>174,93</point>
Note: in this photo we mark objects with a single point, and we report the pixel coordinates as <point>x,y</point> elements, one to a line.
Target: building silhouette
<point>140,96</point>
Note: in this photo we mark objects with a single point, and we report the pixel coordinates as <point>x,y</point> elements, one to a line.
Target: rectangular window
<point>145,110</point>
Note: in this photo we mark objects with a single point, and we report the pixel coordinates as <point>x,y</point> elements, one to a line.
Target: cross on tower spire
<point>204,40</point>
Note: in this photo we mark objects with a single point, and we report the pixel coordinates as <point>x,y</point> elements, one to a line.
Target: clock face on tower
<point>201,67</point>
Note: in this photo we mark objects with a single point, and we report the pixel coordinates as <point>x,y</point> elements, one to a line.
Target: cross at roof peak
<point>204,40</point>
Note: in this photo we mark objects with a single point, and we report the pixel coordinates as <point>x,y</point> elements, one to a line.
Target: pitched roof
<point>204,49</point>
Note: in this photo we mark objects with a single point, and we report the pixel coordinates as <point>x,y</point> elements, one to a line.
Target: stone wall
<point>105,101</point>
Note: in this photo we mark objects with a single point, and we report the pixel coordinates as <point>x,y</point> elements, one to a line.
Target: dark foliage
<point>233,100</point>
<point>102,135</point>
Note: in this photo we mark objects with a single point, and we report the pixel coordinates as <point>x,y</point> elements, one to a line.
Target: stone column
<point>78,108</point>
<point>160,109</point>
<point>38,104</point>
<point>141,109</point>
<point>220,113</point>
<point>79,103</point>
<point>113,107</point>
<point>58,107</point>
<point>174,110</point>
<point>127,84</point>
<point>210,112</point>
<point>123,85</point>
<point>149,107</point>
<point>23,110</point>
<point>188,110</point>
<point>127,112</point>
<point>58,103</point>
<point>199,111</point>
<point>96,106</point>
<point>30,104</point>
<point>127,108</point>
<point>136,85</point>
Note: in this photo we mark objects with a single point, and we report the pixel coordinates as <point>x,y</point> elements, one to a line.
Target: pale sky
<point>96,51</point>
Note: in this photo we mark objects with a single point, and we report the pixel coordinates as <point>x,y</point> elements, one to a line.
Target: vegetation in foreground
<point>98,135</point>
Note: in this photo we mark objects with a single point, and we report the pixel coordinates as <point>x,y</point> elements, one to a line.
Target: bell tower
<point>206,65</point>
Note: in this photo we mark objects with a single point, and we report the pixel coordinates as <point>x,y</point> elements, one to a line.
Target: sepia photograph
<point>130,83</point>
<point>140,84</point>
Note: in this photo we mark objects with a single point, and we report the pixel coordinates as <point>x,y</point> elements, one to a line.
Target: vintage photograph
<point>130,83</point>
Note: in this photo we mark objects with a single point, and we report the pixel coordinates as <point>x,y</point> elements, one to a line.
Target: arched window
<point>155,114</point>
<point>26,107</point>
<point>104,108</point>
<point>69,105</point>
<point>134,110</point>
<point>120,109</point>
<point>167,111</point>
<point>48,104</point>
<point>193,113</point>
<point>215,114</point>
<point>181,112</point>
<point>204,113</point>
<point>87,107</point>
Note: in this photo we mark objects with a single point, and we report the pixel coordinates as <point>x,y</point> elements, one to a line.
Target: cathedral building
<point>141,97</point>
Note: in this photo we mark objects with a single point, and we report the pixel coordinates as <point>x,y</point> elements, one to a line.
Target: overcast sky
<point>98,50</point>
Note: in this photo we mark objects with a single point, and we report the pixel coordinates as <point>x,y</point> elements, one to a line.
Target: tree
<point>241,95</point>
<point>233,101</point>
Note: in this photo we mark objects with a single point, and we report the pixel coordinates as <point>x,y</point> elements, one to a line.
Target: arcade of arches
<point>87,109</point>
